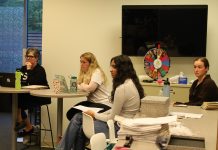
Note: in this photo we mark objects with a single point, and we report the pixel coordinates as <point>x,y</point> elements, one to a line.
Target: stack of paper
<point>209,105</point>
<point>144,128</point>
<point>140,133</point>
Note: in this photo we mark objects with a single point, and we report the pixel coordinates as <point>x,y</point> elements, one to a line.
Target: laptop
<point>63,84</point>
<point>7,79</point>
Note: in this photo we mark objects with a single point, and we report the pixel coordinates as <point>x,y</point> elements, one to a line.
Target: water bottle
<point>73,84</point>
<point>166,88</point>
<point>17,79</point>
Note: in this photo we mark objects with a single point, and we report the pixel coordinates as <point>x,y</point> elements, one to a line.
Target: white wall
<point>71,27</point>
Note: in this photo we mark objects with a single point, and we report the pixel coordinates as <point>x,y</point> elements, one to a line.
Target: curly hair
<point>125,70</point>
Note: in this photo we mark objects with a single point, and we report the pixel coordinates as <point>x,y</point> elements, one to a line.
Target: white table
<point>14,93</point>
<point>204,127</point>
<point>59,96</point>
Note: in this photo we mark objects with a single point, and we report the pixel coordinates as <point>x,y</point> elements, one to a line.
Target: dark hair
<point>35,51</point>
<point>125,70</point>
<point>204,60</point>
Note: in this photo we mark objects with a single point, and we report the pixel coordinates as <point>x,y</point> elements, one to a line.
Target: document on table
<point>35,87</point>
<point>186,115</point>
<point>84,108</point>
<point>146,121</point>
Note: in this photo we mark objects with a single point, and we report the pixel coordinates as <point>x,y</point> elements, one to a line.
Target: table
<point>14,93</point>
<point>59,96</point>
<point>204,127</point>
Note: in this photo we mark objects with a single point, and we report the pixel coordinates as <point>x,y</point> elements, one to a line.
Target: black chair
<point>35,117</point>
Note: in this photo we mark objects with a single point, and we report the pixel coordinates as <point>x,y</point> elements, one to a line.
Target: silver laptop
<point>63,84</point>
<point>7,79</point>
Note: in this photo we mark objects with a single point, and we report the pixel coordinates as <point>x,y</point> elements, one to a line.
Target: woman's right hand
<point>90,113</point>
<point>28,65</point>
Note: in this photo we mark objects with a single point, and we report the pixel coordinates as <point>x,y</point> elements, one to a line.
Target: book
<point>209,105</point>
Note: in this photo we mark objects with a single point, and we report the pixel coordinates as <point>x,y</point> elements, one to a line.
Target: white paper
<point>35,87</point>
<point>149,121</point>
<point>186,115</point>
<point>84,108</point>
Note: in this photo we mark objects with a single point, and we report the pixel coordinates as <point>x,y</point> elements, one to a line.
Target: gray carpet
<point>5,135</point>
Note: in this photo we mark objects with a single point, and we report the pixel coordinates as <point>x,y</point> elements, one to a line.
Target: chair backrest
<point>112,137</point>
<point>88,125</point>
<point>98,141</point>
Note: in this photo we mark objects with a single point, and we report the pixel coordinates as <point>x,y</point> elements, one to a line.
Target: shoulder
<point>39,67</point>
<point>97,71</point>
<point>127,84</point>
<point>209,81</point>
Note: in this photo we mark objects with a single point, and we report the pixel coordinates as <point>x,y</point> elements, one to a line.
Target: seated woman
<point>203,89</point>
<point>32,74</point>
<point>125,97</point>
<point>91,79</point>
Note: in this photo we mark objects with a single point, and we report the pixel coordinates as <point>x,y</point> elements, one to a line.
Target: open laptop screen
<point>7,79</point>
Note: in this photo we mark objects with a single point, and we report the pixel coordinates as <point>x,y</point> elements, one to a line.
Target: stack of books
<point>209,105</point>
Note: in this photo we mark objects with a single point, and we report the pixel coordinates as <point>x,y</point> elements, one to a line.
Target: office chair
<point>89,129</point>
<point>37,121</point>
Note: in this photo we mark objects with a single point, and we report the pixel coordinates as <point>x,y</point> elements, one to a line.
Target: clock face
<point>156,63</point>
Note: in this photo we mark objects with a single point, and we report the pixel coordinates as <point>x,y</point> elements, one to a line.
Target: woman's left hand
<point>90,112</point>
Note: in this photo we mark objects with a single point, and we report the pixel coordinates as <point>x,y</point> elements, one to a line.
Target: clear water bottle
<point>73,84</point>
<point>17,79</point>
<point>166,88</point>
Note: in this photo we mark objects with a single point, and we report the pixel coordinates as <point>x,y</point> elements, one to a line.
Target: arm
<point>96,80</point>
<point>91,87</point>
<point>119,100</point>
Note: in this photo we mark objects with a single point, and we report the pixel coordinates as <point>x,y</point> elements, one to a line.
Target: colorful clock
<point>156,63</point>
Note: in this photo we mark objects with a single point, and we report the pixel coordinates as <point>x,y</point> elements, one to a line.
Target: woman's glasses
<point>29,57</point>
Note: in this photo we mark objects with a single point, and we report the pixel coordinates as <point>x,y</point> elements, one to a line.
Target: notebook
<point>7,79</point>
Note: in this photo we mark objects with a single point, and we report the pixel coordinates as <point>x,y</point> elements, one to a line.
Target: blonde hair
<point>85,77</point>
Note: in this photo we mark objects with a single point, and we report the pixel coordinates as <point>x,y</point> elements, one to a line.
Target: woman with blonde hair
<point>91,79</point>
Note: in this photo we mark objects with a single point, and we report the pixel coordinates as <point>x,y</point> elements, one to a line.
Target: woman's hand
<point>28,65</point>
<point>91,113</point>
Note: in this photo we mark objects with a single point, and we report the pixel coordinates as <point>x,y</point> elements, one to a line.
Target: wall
<point>71,27</point>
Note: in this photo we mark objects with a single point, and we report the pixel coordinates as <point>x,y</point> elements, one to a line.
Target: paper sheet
<point>84,108</point>
<point>148,121</point>
<point>35,87</point>
<point>186,115</point>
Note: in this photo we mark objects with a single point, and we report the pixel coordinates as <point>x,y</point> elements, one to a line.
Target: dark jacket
<point>206,91</point>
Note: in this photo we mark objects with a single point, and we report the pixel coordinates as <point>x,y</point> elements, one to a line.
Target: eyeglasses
<point>29,57</point>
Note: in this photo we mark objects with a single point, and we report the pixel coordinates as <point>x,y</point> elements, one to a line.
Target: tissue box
<point>155,106</point>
